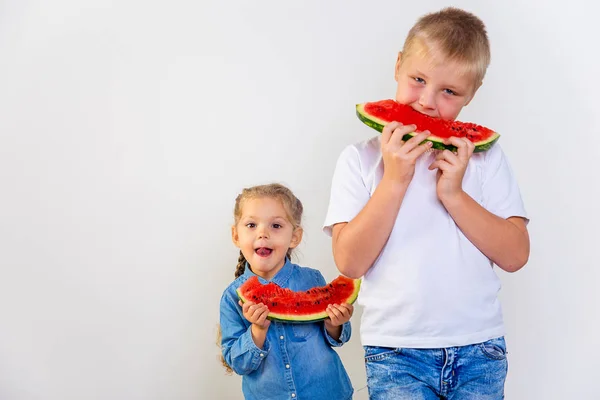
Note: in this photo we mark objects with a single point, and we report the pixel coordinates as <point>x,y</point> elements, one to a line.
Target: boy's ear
<point>234,236</point>
<point>397,68</point>
<point>296,238</point>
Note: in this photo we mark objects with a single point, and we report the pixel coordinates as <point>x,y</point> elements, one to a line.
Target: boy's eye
<point>420,80</point>
<point>449,91</point>
<point>251,225</point>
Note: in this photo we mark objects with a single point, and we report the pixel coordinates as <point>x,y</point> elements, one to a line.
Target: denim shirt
<point>297,361</point>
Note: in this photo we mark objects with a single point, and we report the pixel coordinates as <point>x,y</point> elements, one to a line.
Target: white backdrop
<point>128,127</point>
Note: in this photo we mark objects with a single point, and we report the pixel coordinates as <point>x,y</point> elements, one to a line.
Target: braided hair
<point>294,210</point>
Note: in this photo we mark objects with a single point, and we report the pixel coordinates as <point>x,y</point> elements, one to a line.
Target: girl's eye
<point>277,226</point>
<point>251,225</point>
<point>451,92</point>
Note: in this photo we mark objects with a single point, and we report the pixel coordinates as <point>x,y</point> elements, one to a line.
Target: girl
<point>279,360</point>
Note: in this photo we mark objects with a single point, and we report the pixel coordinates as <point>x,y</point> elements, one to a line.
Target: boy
<point>424,227</point>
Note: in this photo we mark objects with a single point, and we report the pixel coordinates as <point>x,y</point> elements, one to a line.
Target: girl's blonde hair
<point>459,35</point>
<point>293,208</point>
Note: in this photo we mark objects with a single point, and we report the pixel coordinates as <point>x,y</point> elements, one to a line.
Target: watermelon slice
<point>377,114</point>
<point>286,305</point>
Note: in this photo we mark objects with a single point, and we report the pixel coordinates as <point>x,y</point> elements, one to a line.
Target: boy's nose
<point>427,100</point>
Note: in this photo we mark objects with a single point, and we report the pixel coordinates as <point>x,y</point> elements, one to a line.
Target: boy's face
<point>433,86</point>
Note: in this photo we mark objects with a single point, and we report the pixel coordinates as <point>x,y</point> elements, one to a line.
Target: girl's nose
<point>263,233</point>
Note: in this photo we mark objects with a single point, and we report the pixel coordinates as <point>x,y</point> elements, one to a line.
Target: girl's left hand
<point>338,314</point>
<point>451,167</point>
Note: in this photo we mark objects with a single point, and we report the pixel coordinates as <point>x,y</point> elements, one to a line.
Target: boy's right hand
<point>256,314</point>
<point>399,157</point>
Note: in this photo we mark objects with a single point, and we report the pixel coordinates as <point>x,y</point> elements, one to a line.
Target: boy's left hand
<point>338,314</point>
<point>451,167</point>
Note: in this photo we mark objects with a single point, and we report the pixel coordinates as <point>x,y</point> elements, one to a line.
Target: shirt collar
<point>280,277</point>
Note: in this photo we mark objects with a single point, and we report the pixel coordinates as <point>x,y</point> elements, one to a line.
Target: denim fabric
<point>297,361</point>
<point>473,372</point>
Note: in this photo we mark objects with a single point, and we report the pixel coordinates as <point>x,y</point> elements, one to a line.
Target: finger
<point>334,310</point>
<point>254,310</point>
<point>262,317</point>
<point>346,309</point>
<point>416,141</point>
<point>399,133</point>
<point>333,320</point>
<point>462,148</point>
<point>386,133</point>
<point>246,306</point>
<point>441,165</point>
<point>450,157</point>
<point>422,148</point>
<point>343,311</point>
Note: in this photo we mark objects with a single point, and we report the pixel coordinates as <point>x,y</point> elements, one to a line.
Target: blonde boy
<point>424,228</point>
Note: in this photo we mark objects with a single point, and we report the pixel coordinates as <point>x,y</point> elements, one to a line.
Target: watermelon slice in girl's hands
<point>377,114</point>
<point>286,305</point>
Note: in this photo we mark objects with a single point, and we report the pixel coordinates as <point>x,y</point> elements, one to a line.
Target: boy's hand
<point>256,314</point>
<point>338,314</point>
<point>399,157</point>
<point>451,167</point>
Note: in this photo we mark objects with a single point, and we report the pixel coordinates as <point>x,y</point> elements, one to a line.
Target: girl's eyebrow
<point>271,217</point>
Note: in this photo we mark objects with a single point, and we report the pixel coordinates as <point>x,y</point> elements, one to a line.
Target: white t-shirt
<point>430,286</point>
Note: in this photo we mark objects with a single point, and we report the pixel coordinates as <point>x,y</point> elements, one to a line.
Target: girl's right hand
<point>399,157</point>
<point>256,314</point>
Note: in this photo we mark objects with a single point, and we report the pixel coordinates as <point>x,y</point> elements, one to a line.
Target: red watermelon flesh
<point>379,113</point>
<point>306,306</point>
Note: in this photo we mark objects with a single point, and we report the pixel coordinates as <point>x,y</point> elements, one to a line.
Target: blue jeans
<point>470,372</point>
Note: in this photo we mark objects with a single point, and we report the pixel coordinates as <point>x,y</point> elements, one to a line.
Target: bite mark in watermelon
<point>378,113</point>
<point>286,305</point>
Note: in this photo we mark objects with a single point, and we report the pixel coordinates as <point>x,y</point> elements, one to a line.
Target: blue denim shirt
<point>297,361</point>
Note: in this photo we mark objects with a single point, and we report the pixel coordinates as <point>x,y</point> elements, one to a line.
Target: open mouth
<point>263,251</point>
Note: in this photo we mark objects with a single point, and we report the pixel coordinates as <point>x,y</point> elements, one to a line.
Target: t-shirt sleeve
<point>501,193</point>
<point>349,193</point>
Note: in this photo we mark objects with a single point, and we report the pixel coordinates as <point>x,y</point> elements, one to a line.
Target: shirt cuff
<point>344,336</point>
<point>248,345</point>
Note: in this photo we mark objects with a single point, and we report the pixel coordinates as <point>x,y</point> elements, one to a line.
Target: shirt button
<point>262,355</point>
<point>287,365</point>
<point>293,394</point>
<point>281,337</point>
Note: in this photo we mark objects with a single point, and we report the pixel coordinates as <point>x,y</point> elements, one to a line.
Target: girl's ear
<point>234,236</point>
<point>296,238</point>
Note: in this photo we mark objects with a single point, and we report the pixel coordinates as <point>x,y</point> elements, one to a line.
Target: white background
<point>128,127</point>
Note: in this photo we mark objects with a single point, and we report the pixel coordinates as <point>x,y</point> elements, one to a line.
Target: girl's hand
<point>399,157</point>
<point>338,314</point>
<point>256,314</point>
<point>451,167</point>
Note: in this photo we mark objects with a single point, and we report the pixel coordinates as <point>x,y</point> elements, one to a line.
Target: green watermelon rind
<point>306,318</point>
<point>438,143</point>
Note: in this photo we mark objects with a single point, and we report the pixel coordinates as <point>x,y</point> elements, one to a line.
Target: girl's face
<point>264,234</point>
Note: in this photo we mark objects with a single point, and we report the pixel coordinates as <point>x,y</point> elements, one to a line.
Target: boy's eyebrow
<point>421,74</point>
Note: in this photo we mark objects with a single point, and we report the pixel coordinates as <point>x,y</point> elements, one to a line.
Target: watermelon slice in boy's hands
<point>377,114</point>
<point>286,305</point>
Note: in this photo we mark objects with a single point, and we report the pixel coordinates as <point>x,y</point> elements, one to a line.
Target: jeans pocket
<point>494,348</point>
<point>376,353</point>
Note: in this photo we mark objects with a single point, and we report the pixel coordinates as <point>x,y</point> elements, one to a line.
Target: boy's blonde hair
<point>460,36</point>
